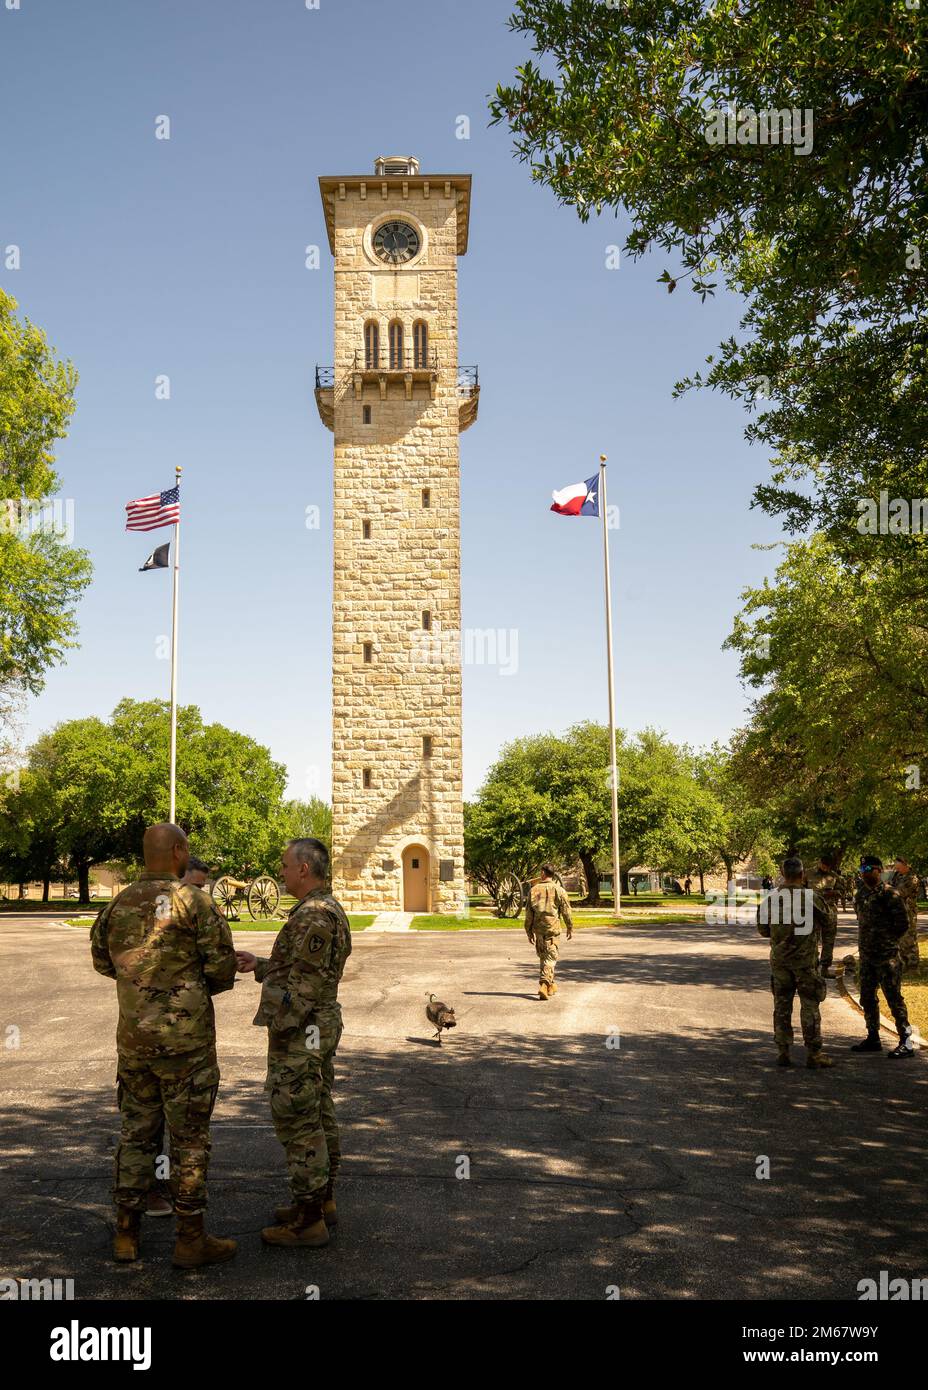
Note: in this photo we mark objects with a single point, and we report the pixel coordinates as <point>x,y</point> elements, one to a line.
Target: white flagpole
<point>177,472</point>
<point>614,775</point>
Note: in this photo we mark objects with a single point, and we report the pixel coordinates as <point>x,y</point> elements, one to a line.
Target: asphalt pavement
<point>610,1138</point>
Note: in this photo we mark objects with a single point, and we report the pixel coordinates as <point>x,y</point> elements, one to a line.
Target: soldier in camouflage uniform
<point>547,905</point>
<point>794,963</point>
<point>169,952</point>
<point>883,922</point>
<point>907,885</point>
<point>823,880</point>
<point>299,1007</point>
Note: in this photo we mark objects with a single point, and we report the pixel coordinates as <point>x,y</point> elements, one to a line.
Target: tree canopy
<point>548,797</point>
<point>824,243</point>
<point>41,577</point>
<point>90,787</point>
<point>837,745</point>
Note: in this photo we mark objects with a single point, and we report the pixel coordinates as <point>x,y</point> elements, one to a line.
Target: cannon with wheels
<point>511,894</point>
<point>261,895</point>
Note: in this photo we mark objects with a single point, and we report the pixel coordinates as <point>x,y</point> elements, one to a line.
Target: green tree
<point>548,797</point>
<point>229,789</point>
<point>837,742</point>
<point>41,577</point>
<point>91,787</point>
<point>302,820</point>
<point>85,796</point>
<point>741,829</point>
<point>621,111</point>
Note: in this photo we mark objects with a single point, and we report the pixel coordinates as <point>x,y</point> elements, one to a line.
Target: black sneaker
<point>902,1051</point>
<point>869,1044</point>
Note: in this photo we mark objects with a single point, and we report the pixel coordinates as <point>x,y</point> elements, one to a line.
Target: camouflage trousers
<point>546,946</point>
<point>908,946</point>
<point>180,1091</point>
<point>786,983</point>
<point>887,975</point>
<point>827,941</point>
<point>300,1078</point>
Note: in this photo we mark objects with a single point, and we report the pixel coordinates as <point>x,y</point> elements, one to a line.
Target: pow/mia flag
<point>158,559</point>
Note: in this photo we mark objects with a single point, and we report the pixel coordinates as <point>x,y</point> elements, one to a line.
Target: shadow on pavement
<point>524,1166</point>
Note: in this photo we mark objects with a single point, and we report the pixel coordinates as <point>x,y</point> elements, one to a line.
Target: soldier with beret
<point>882,924</point>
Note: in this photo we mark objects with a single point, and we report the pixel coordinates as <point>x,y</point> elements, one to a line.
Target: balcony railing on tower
<point>377,368</point>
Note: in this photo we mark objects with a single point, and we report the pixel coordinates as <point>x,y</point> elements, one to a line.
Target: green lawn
<point>358,921</point>
<point>589,917</point>
<point>54,907</point>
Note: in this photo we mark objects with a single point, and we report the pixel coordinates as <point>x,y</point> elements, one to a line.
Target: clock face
<point>396,242</point>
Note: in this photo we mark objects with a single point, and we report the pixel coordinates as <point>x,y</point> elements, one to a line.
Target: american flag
<point>148,513</point>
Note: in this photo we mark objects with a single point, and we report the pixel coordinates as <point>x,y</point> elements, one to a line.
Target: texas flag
<point>580,499</point>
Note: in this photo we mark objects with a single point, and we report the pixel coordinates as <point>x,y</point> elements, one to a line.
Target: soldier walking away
<point>906,884</point>
<point>824,881</point>
<point>794,963</point>
<point>169,951</point>
<point>547,906</point>
<point>883,922</point>
<point>299,1007</point>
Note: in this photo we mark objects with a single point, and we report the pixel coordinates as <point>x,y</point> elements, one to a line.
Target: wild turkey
<point>440,1016</point>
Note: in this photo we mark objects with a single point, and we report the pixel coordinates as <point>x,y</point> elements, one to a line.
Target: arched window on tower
<point>371,344</point>
<point>396,345</point>
<point>420,343</point>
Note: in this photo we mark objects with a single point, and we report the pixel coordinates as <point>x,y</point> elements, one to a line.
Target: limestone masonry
<point>396,402</point>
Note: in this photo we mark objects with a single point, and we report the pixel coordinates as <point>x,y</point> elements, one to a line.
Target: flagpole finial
<point>602,458</point>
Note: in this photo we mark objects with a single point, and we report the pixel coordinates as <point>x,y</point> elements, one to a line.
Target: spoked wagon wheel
<point>224,897</point>
<point>509,896</point>
<point>263,897</point>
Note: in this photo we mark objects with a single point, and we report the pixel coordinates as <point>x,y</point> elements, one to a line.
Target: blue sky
<point>186,257</point>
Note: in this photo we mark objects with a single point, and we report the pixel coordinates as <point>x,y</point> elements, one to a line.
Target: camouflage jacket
<point>907,886</point>
<point>307,961</point>
<point>826,882</point>
<point>847,886</point>
<point>793,943</point>
<point>882,921</point>
<point>169,951</point>
<point>547,902</point>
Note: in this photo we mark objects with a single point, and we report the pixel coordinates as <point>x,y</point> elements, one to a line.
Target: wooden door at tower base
<point>415,879</point>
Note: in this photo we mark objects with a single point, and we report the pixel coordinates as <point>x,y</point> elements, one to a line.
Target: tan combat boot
<point>552,989</point>
<point>126,1239</point>
<point>543,992</point>
<point>194,1247</point>
<point>307,1228</point>
<point>783,1057</point>
<point>286,1216</point>
<point>818,1060</point>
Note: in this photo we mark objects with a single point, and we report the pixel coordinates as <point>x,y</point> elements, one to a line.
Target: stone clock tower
<point>396,401</point>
